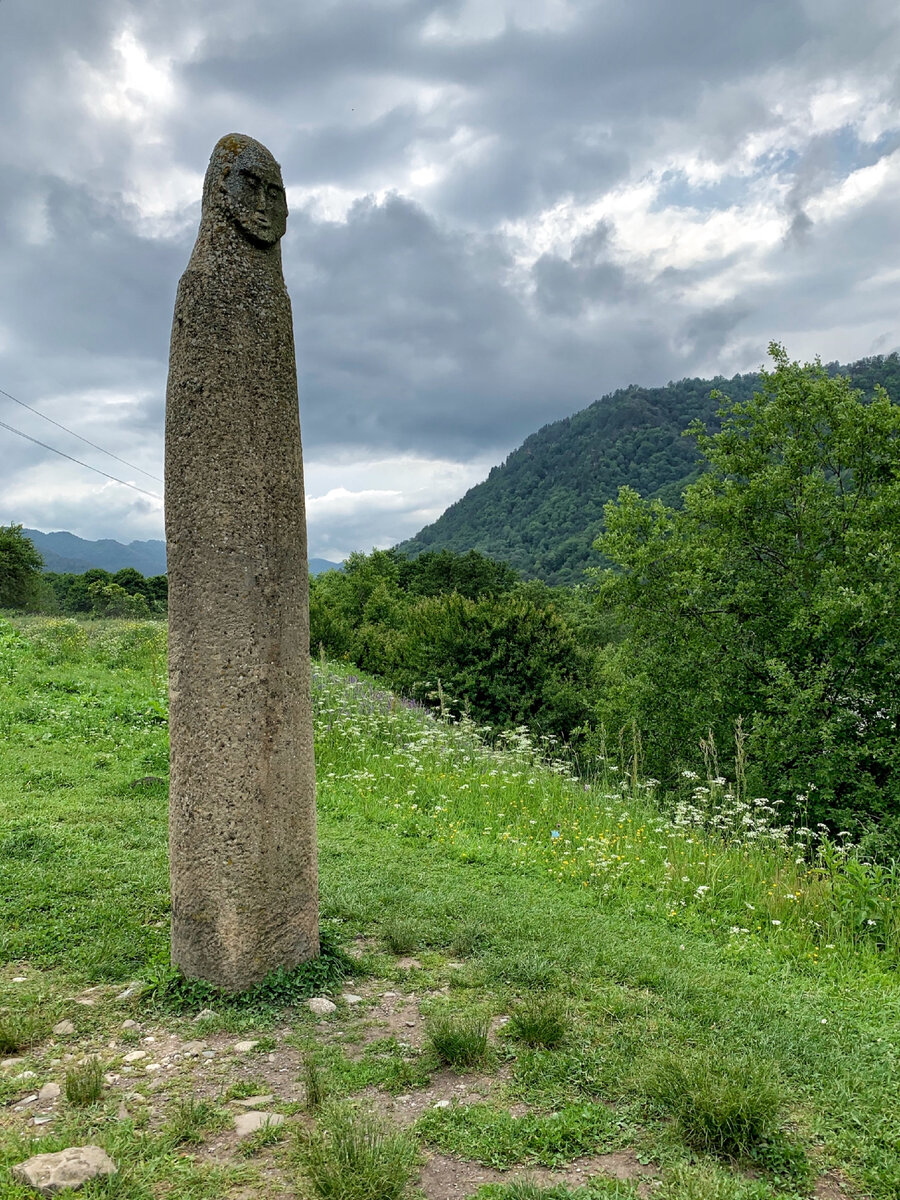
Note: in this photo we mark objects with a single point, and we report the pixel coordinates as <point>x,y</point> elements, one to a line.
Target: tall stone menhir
<point>242,798</point>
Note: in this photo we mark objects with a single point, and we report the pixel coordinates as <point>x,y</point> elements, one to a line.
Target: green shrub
<point>354,1156</point>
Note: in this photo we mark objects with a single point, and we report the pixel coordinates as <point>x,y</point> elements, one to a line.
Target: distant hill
<point>67,554</point>
<point>541,510</point>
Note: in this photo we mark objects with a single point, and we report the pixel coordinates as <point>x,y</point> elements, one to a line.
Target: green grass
<point>460,1040</point>
<point>420,820</point>
<point>354,1156</point>
<point>84,1083</point>
<point>539,1021</point>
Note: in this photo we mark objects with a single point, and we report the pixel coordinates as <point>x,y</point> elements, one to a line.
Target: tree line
<point>97,593</point>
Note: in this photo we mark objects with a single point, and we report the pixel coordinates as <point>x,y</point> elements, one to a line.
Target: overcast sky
<point>500,210</point>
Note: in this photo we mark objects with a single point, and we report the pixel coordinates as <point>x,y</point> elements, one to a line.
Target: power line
<point>80,438</point>
<point>63,454</point>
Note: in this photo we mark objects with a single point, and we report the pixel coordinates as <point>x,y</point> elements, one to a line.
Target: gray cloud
<point>500,211</point>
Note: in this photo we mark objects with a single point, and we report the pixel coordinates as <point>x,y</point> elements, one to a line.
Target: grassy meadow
<point>677,977</point>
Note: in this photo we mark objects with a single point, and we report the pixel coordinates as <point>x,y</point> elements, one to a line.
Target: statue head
<point>243,182</point>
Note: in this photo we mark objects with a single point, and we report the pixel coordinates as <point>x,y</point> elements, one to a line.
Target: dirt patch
<point>446,1178</point>
<point>831,1187</point>
<point>446,1087</point>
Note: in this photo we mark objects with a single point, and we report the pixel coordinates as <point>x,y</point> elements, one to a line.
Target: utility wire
<point>78,435</point>
<point>63,454</point>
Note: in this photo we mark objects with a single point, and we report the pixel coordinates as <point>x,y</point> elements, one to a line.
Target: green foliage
<point>708,1181</point>
<point>539,1021</point>
<point>20,569</point>
<point>498,1139</point>
<point>355,1156</point>
<point>401,935</point>
<point>459,634</point>
<point>19,1030</point>
<point>281,988</point>
<point>542,510</point>
<point>314,1081</point>
<point>96,592</point>
<point>111,600</point>
<point>190,1118</point>
<point>773,595</point>
<point>458,1039</point>
<point>84,1083</point>
<point>726,1107</point>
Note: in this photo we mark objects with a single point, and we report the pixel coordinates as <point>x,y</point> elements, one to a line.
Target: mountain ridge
<point>65,553</point>
<point>542,508</point>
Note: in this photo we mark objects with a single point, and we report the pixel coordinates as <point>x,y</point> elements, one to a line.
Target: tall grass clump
<point>355,1156</point>
<point>730,1108</point>
<point>19,1031</point>
<point>84,1083</point>
<point>539,1021</point>
<point>459,1040</point>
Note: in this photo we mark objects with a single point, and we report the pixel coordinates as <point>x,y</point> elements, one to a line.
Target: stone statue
<point>242,797</point>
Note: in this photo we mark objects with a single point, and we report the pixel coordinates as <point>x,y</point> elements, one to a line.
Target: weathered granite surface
<point>242,791</point>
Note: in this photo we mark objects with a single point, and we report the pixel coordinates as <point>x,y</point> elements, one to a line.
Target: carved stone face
<point>254,198</point>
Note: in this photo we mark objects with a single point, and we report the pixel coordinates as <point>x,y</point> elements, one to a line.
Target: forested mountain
<point>541,510</point>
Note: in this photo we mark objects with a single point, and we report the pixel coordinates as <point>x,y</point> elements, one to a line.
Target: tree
<point>20,568</point>
<point>773,595</point>
<point>111,600</point>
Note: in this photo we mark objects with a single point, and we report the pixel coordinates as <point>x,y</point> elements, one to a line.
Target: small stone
<point>349,998</point>
<point>122,1113</point>
<point>50,1091</point>
<point>131,991</point>
<point>153,1067</point>
<point>245,1047</point>
<point>86,1001</point>
<point>147,1040</point>
<point>129,1024</point>
<point>255,1101</point>
<point>26,1075</point>
<point>410,1024</point>
<point>192,1049</point>
<point>137,1098</point>
<point>27,1100</point>
<point>441,1104</point>
<point>205,1014</point>
<point>209,1054</point>
<point>19,978</point>
<point>71,1168</point>
<point>135,1056</point>
<point>321,1006</point>
<point>389,995</point>
<point>248,1122</point>
<point>41,1120</point>
<point>11,1062</point>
